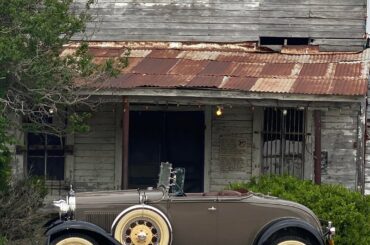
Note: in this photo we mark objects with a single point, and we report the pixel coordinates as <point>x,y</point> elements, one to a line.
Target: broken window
<point>283,141</point>
<point>284,41</point>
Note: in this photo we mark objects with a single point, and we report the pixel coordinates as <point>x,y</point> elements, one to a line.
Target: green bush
<point>349,210</point>
<point>19,213</point>
<point>3,240</point>
<point>5,155</point>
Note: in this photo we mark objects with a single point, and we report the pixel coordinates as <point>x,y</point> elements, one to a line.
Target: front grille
<point>104,219</point>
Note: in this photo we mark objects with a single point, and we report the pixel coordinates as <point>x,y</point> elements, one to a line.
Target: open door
<point>166,136</point>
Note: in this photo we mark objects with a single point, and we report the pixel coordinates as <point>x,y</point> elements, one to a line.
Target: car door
<point>194,219</point>
<point>238,220</point>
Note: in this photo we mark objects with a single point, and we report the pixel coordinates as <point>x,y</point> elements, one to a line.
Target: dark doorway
<point>157,136</point>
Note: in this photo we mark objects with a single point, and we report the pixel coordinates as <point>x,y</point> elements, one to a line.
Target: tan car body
<point>200,218</point>
<point>166,215</point>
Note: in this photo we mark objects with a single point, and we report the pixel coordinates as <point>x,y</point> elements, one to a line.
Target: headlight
<point>331,228</point>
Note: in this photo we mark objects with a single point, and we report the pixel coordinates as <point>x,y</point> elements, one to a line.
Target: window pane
<point>54,140</point>
<point>36,153</point>
<point>36,139</point>
<point>55,153</point>
<point>55,168</point>
<point>36,166</point>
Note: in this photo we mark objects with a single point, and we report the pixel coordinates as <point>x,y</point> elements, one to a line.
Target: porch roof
<point>234,67</point>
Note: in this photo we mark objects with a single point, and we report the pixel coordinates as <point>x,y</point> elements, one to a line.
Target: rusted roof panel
<point>217,68</point>
<point>164,53</point>
<point>311,86</point>
<point>141,80</point>
<point>132,63</point>
<point>206,81</point>
<point>240,83</point>
<point>236,69</point>
<point>273,85</point>
<point>107,52</point>
<point>349,87</point>
<point>189,67</point>
<point>348,70</point>
<point>277,69</point>
<point>247,70</point>
<point>154,66</point>
<point>198,55</point>
<point>117,82</point>
<point>314,70</point>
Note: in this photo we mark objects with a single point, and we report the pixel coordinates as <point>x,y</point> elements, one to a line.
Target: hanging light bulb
<point>219,111</point>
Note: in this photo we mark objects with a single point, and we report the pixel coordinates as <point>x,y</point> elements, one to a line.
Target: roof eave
<point>206,93</point>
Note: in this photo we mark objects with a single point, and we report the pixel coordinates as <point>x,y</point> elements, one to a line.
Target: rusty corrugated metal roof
<point>313,70</point>
<point>245,70</point>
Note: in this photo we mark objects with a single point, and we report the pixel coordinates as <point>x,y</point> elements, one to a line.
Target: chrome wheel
<point>141,232</point>
<point>142,227</point>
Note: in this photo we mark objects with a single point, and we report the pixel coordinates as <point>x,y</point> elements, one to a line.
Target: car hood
<point>116,197</point>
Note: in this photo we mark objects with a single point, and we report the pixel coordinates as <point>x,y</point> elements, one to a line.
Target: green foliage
<point>34,76</point>
<point>19,213</point>
<point>77,122</point>
<point>349,210</point>
<point>35,31</point>
<point>3,240</point>
<point>5,155</point>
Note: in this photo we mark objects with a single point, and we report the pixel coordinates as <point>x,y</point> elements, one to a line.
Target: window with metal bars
<point>283,141</point>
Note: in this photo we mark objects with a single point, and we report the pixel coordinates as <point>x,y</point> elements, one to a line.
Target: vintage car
<point>166,215</point>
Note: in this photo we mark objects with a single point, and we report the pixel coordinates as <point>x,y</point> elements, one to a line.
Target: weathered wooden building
<point>335,25</point>
<point>288,80</point>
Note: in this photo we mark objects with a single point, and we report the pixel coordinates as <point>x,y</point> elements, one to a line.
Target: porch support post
<point>361,131</point>
<point>257,141</point>
<point>125,141</point>
<point>317,156</point>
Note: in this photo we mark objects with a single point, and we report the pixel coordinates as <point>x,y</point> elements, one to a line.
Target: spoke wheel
<point>74,240</point>
<point>291,242</point>
<point>288,239</point>
<point>141,232</point>
<point>142,227</point>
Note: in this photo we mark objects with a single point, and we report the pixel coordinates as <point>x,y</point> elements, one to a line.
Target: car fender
<point>82,226</point>
<point>277,225</point>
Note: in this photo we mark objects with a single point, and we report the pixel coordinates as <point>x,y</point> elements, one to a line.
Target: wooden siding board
<point>339,137</point>
<point>94,153</point>
<point>226,166</point>
<point>229,21</point>
<point>317,2</point>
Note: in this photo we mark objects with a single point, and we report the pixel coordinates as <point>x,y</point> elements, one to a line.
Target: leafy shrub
<point>3,240</point>
<point>5,155</point>
<point>19,215</point>
<point>349,210</point>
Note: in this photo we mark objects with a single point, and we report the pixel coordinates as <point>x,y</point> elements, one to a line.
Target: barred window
<point>283,141</point>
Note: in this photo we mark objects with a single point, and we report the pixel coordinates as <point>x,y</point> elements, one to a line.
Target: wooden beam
<point>207,147</point>
<point>217,94</point>
<point>118,146</point>
<point>125,141</point>
<point>317,157</point>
